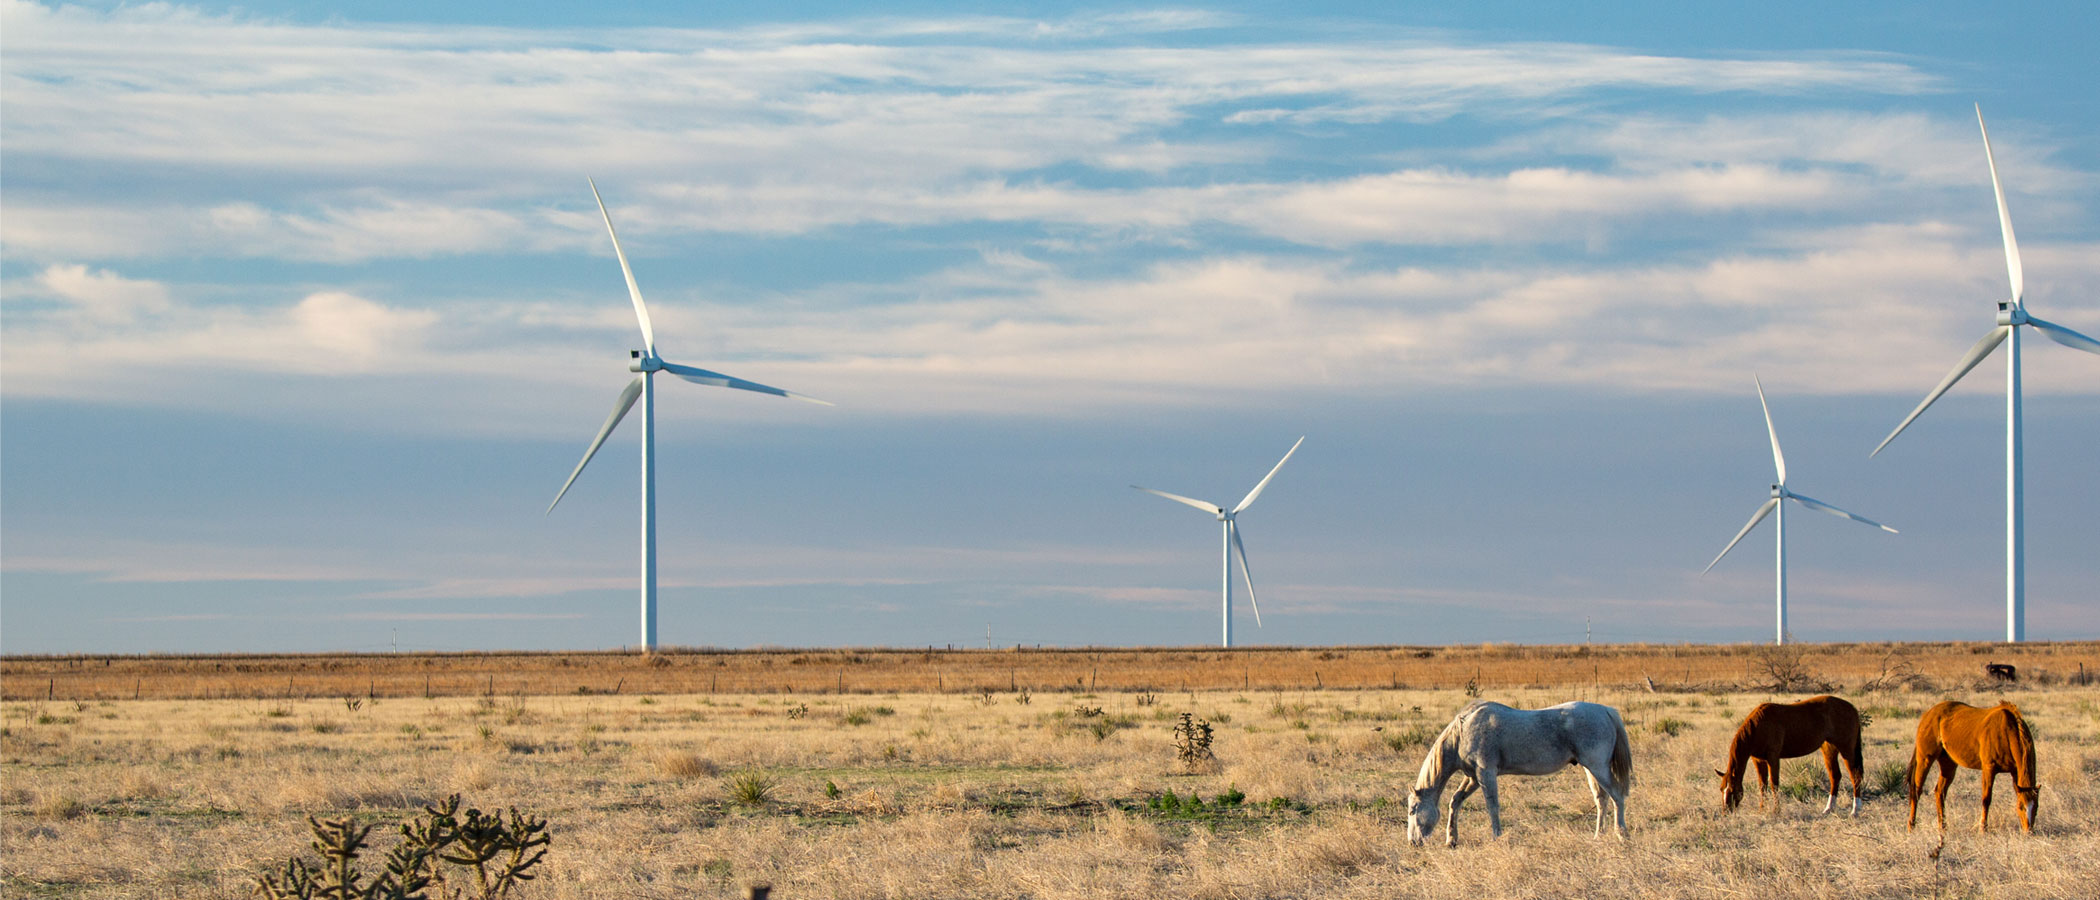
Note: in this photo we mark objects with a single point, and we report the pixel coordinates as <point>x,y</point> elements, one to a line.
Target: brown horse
<point>1992,740</point>
<point>1776,731</point>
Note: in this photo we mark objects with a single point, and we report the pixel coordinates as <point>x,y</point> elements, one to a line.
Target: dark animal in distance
<point>1777,731</point>
<point>2001,672</point>
<point>1954,734</point>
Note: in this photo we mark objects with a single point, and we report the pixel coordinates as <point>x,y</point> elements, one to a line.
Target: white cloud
<point>103,296</point>
<point>344,142</point>
<point>135,328</point>
<point>1843,311</point>
<point>347,143</point>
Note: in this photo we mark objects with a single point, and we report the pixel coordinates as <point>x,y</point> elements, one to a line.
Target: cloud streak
<point>339,143</point>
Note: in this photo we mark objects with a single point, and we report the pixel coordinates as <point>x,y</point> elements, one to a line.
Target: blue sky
<point>308,311</point>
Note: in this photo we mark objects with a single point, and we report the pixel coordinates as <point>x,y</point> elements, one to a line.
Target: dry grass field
<point>942,670</point>
<point>1038,787</point>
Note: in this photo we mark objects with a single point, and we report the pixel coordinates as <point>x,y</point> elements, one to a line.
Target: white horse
<point>1488,740</point>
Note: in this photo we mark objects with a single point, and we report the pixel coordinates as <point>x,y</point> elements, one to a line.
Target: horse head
<point>1731,791</point>
<point>1421,815</point>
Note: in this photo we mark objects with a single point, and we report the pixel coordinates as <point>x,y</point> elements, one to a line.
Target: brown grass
<point>948,796</point>
<point>496,677</point>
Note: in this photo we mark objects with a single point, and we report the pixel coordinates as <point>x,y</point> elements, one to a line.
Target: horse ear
<point>1720,773</point>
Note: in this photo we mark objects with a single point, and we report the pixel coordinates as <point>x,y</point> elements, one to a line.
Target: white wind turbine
<point>2012,314</point>
<point>1232,538</point>
<point>1780,493</point>
<point>646,363</point>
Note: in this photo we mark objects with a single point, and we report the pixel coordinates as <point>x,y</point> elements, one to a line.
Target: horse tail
<point>1622,757</point>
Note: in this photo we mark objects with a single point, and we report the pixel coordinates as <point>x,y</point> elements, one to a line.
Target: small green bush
<point>750,787</point>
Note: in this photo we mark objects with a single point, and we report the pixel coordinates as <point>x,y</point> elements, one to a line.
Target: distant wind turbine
<point>1232,538</point>
<point>1780,492</point>
<point>2012,314</point>
<point>647,363</point>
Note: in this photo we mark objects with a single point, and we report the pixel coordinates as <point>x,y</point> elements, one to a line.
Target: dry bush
<point>683,765</point>
<point>1786,668</point>
<point>55,805</point>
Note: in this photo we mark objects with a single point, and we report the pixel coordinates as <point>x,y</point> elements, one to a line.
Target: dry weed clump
<point>685,766</point>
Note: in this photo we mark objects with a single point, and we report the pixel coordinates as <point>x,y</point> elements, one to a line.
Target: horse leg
<point>1830,764</point>
<point>1914,782</point>
<point>1465,789</point>
<point>1604,787</point>
<point>1990,777</point>
<point>1493,796</point>
<point>1854,764</point>
<point>1767,782</point>
<point>1946,781</point>
<point>1597,793</point>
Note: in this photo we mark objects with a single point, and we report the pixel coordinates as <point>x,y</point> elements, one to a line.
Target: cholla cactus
<point>500,854</point>
<point>1192,743</point>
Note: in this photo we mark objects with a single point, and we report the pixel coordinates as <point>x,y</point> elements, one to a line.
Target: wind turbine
<point>1780,493</point>
<point>2012,314</point>
<point>646,363</point>
<point>1232,538</point>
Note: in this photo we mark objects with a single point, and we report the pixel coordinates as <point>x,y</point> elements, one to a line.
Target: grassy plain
<point>1059,790</point>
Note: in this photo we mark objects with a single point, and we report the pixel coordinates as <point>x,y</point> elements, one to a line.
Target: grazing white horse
<point>1489,740</point>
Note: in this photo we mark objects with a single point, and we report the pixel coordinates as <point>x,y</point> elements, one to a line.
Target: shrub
<point>1192,738</point>
<point>1668,726</point>
<point>1787,667</point>
<point>439,851</point>
<point>684,765</point>
<point>1416,735</point>
<point>1889,779</point>
<point>750,787</point>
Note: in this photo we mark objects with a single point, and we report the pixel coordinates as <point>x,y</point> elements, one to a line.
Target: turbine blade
<point>1755,518</point>
<point>1246,575</point>
<point>2065,336</point>
<point>641,311</point>
<point>1969,360</point>
<point>717,379</point>
<point>1778,458</point>
<point>1813,503</point>
<point>2012,247</point>
<point>620,408</point>
<point>1265,478</point>
<point>1211,508</point>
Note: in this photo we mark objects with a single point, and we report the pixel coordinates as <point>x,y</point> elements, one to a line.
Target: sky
<point>306,311</point>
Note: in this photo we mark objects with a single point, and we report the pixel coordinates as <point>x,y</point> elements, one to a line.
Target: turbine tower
<point>1232,545</point>
<point>646,363</point>
<point>2012,313</point>
<point>1781,493</point>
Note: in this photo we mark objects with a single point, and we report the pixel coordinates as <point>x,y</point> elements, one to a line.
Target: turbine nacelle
<point>644,363</point>
<point>2011,313</point>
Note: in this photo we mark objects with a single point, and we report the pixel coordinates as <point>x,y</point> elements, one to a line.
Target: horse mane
<point>1739,745</point>
<point>1442,757</point>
